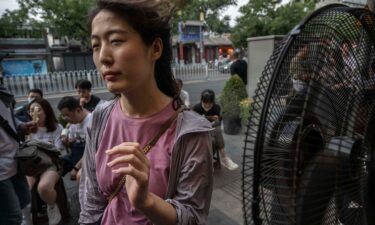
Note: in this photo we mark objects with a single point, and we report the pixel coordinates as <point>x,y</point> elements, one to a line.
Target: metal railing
<point>64,81</point>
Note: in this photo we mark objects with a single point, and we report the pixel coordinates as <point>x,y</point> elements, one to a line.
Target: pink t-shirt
<point>121,128</point>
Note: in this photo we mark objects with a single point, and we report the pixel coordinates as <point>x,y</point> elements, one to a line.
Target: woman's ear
<point>156,49</point>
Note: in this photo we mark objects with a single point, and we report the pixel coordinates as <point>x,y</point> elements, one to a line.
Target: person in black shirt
<point>239,67</point>
<point>86,99</point>
<point>212,112</point>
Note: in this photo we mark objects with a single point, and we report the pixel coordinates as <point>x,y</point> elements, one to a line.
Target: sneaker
<point>54,215</point>
<point>228,163</point>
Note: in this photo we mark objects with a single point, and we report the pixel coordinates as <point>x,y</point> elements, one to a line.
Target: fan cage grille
<point>307,140</point>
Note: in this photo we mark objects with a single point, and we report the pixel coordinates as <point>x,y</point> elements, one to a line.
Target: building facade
<point>29,52</point>
<point>191,46</point>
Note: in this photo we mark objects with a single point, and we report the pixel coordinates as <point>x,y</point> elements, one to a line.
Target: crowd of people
<point>37,120</point>
<point>337,69</point>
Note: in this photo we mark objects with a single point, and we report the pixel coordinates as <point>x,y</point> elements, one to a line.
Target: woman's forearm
<point>158,211</point>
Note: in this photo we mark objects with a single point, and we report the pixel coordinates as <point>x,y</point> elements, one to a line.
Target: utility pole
<point>202,15</point>
<point>201,44</point>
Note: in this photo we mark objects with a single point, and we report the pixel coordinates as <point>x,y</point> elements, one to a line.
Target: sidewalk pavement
<point>226,203</point>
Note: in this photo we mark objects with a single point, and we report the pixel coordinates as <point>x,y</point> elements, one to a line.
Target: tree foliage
<point>266,17</point>
<point>10,21</point>
<point>233,93</point>
<point>18,23</point>
<point>67,17</point>
<point>63,17</point>
<point>190,10</point>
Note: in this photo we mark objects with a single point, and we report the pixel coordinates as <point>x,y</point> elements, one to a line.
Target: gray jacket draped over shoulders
<point>191,175</point>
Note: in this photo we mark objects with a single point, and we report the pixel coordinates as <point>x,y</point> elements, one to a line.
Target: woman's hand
<point>137,171</point>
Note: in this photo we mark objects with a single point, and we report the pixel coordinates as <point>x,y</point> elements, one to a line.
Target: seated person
<point>48,130</point>
<point>79,119</point>
<point>208,108</point>
<point>86,99</point>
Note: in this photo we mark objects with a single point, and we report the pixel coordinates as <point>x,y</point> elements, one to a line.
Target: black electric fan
<point>309,147</point>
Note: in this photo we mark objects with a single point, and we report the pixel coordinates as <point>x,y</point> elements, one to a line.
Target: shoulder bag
<point>33,156</point>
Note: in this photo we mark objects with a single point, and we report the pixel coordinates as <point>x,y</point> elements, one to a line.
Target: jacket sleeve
<point>91,199</point>
<point>194,185</point>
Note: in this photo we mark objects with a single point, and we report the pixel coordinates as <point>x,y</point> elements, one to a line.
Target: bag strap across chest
<point>148,147</point>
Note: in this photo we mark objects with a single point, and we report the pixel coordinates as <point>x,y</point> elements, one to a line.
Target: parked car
<point>225,66</point>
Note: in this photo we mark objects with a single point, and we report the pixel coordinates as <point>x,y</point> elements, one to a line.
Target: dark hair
<point>208,95</point>
<point>151,19</point>
<point>68,102</point>
<point>36,90</point>
<point>51,121</point>
<point>179,81</point>
<point>83,84</point>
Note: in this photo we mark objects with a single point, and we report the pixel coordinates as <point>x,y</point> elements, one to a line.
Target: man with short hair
<point>239,67</point>
<point>34,93</point>
<point>79,119</point>
<point>86,99</point>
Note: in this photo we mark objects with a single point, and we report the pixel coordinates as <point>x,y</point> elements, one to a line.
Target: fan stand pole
<point>371,5</point>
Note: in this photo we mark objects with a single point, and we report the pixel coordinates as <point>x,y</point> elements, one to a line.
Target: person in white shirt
<point>184,95</point>
<point>79,119</point>
<point>48,130</point>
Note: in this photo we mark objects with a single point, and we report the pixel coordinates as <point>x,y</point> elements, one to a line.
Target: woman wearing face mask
<point>212,112</point>
<point>172,182</point>
<point>48,130</point>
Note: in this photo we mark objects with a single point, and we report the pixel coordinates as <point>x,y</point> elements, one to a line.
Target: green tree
<point>17,23</point>
<point>266,17</point>
<point>68,17</point>
<point>190,10</point>
<point>64,17</point>
<point>289,15</point>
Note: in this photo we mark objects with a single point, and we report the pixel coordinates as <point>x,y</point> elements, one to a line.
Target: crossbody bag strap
<point>148,147</point>
<point>5,125</point>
